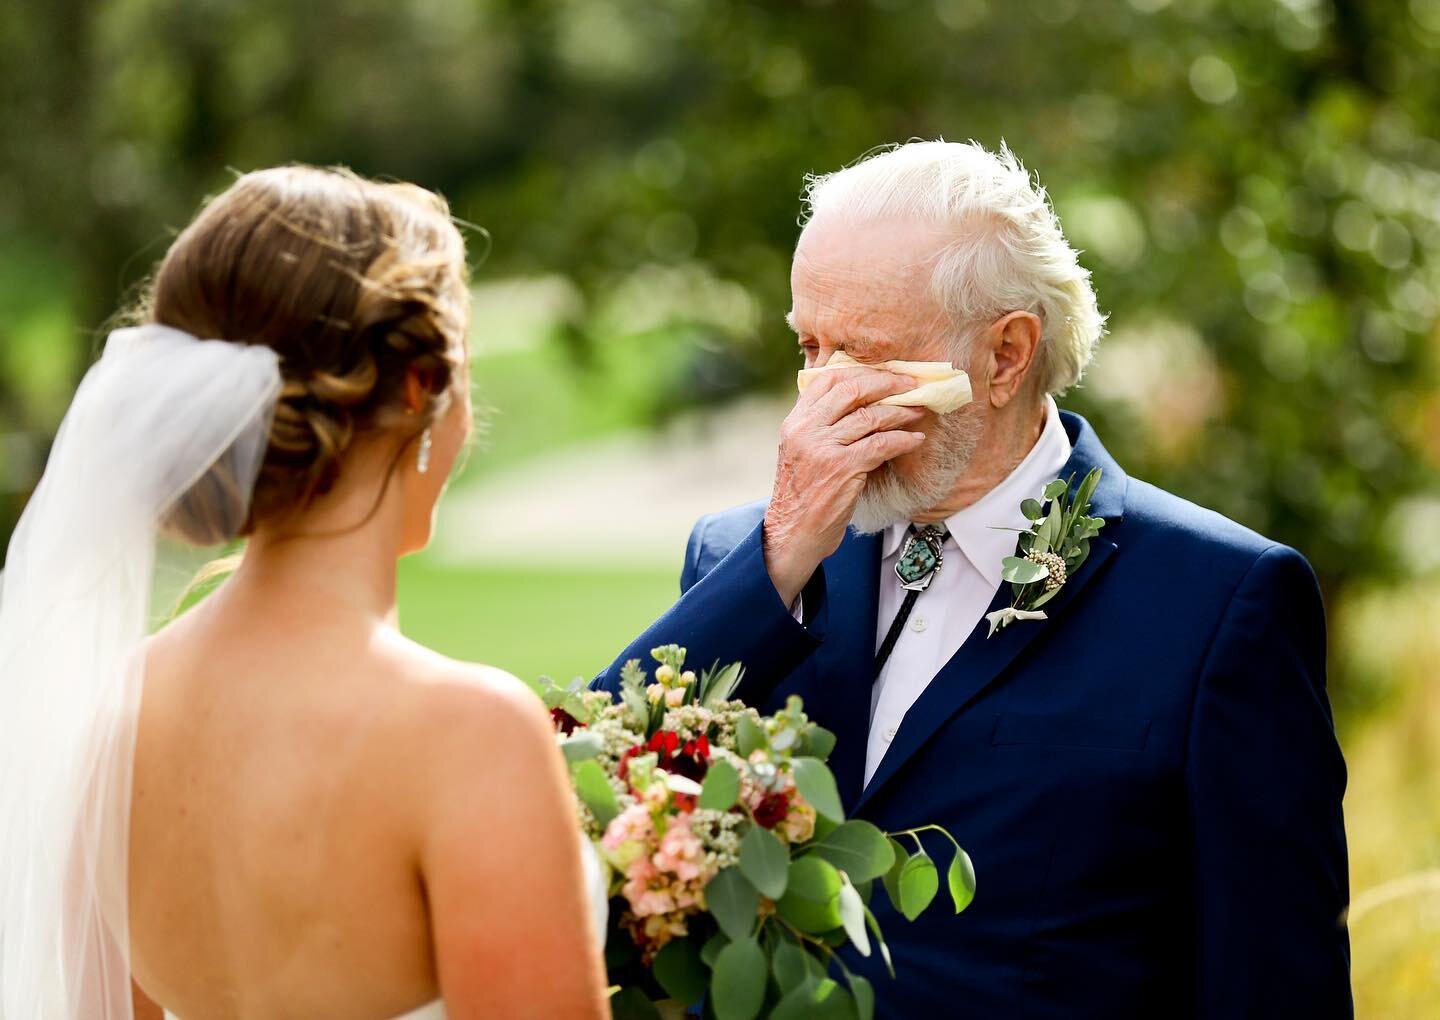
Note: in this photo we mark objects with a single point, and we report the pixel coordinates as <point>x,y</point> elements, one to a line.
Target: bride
<point>300,813</point>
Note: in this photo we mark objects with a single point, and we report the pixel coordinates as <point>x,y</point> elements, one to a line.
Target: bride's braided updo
<point>354,283</point>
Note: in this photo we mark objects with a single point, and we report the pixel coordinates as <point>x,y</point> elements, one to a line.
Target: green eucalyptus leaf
<point>880,941</point>
<point>815,1000</point>
<point>749,737</point>
<point>892,877</point>
<point>1055,488</point>
<point>721,787</point>
<point>812,895</point>
<point>859,849</point>
<point>713,945</point>
<point>816,784</point>
<point>581,746</point>
<point>819,742</point>
<point>594,791</point>
<point>1018,571</point>
<point>852,916</point>
<point>765,862</point>
<point>1031,509</point>
<point>632,1004</point>
<point>961,879</point>
<point>680,971</point>
<point>864,996</point>
<point>823,827</point>
<point>737,985</point>
<point>919,882</point>
<point>733,902</point>
<point>792,966</point>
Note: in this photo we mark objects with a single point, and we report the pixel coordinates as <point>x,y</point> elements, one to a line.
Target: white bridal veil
<point>160,412</point>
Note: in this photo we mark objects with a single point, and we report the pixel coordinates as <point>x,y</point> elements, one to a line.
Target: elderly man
<point>1147,778</point>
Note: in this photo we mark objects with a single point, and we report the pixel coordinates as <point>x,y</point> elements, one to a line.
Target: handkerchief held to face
<point>942,387</point>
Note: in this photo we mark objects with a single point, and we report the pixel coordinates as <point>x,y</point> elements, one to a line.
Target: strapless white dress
<point>597,879</point>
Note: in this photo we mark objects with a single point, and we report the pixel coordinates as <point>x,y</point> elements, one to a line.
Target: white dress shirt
<point>947,611</point>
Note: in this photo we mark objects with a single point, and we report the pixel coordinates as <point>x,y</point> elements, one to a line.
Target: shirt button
<point>919,623</point>
<point>890,734</point>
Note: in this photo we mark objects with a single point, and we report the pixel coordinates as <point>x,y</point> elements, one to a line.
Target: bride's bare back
<point>327,819</point>
<point>312,796</point>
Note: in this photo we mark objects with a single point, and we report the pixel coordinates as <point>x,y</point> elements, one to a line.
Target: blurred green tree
<point>1256,184</point>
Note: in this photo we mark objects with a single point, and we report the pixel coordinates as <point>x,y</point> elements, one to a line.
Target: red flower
<point>772,809</point>
<point>624,770</point>
<point>691,760</point>
<point>565,722</point>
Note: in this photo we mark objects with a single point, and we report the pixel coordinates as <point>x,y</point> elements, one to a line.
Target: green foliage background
<point>1256,184</point>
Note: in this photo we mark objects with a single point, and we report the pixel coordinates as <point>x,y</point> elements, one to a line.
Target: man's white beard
<point>887,499</point>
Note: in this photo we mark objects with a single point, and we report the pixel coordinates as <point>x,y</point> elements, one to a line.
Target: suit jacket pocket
<point>1120,734</point>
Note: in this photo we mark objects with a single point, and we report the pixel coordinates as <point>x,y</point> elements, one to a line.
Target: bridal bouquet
<point>734,874</point>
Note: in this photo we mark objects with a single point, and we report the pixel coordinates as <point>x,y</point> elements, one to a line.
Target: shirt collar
<point>978,530</point>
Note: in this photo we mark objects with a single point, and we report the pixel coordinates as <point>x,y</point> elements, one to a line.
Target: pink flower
<point>628,837</point>
<point>680,851</point>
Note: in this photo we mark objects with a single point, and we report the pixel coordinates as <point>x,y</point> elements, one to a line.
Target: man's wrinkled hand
<point>834,437</point>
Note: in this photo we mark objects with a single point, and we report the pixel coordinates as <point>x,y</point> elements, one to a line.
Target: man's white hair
<point>1006,252</point>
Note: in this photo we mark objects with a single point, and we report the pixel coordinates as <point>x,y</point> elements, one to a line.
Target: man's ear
<point>1011,343</point>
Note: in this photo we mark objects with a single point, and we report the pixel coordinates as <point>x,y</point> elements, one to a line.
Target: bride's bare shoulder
<point>468,701</point>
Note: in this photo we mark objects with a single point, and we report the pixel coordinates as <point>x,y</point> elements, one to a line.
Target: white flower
<point>1003,617</point>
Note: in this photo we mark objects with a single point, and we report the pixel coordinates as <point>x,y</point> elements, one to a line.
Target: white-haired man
<point>1144,771</point>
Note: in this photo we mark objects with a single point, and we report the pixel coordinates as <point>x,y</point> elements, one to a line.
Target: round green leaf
<point>812,895</point>
<point>859,849</point>
<point>713,945</point>
<point>1018,571</point>
<point>581,746</point>
<point>892,877</point>
<point>819,742</point>
<point>961,879</point>
<point>1055,488</point>
<point>721,787</point>
<point>748,735</point>
<point>737,987</point>
<point>815,1000</point>
<point>919,882</point>
<point>817,785</point>
<point>1031,509</point>
<point>864,997</point>
<point>765,862</point>
<point>595,791</point>
<point>680,971</point>
<point>793,966</point>
<point>734,903</point>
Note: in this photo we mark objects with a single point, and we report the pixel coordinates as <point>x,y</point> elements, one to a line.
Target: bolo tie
<point>920,559</point>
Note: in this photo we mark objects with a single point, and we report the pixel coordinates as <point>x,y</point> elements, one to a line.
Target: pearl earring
<point>422,463</point>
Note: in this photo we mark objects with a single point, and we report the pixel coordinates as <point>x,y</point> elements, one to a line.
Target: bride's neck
<point>342,551</point>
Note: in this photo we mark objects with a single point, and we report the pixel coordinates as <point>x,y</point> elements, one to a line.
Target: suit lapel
<point>847,658</point>
<point>981,660</point>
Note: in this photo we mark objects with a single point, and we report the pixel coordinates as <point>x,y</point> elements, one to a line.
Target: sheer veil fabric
<point>162,414</point>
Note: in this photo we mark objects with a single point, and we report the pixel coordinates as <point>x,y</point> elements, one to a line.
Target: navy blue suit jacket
<point>1148,782</point>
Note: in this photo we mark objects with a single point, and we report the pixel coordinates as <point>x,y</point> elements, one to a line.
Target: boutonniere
<point>1053,549</point>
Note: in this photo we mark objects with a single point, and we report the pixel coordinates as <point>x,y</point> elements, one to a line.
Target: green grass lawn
<point>560,623</point>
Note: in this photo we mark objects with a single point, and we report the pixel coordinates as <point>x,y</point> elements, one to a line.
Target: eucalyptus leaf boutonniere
<point>1053,549</point>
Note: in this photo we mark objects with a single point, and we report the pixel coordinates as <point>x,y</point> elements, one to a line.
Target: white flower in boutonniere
<point>1051,551</point>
